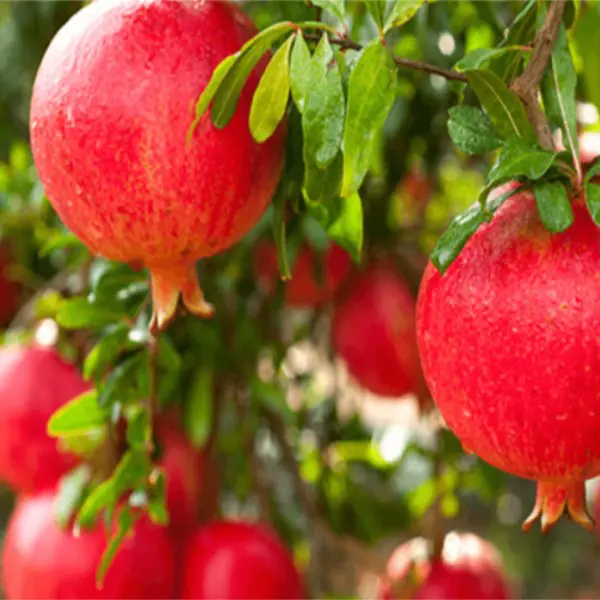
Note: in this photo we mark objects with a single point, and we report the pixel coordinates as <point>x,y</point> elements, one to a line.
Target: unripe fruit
<point>234,560</point>
<point>34,383</point>
<point>113,103</point>
<point>508,338</point>
<point>373,330</point>
<point>469,568</point>
<point>304,289</point>
<point>42,560</point>
<point>10,290</point>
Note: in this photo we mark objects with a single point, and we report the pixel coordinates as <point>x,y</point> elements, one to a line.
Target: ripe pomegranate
<point>237,560</point>
<point>373,330</point>
<point>10,290</point>
<point>34,382</point>
<point>509,346</point>
<point>112,106</point>
<point>304,289</point>
<point>192,492</point>
<point>469,568</point>
<point>42,560</point>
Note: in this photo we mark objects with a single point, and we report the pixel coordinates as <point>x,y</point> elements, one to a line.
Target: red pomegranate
<point>304,289</point>
<point>42,560</point>
<point>235,560</point>
<point>469,568</point>
<point>192,492</point>
<point>509,346</point>
<point>10,290</point>
<point>112,106</point>
<point>373,330</point>
<point>34,382</point>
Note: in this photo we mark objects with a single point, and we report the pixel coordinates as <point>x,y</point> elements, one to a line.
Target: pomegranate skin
<point>41,560</point>
<point>469,568</point>
<point>10,290</point>
<point>373,330</point>
<point>34,382</point>
<point>112,106</point>
<point>509,347</point>
<point>234,560</point>
<point>304,290</point>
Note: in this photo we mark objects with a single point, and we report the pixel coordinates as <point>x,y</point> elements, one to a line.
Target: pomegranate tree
<point>42,560</point>
<point>373,330</point>
<point>112,106</point>
<point>238,560</point>
<point>304,289</point>
<point>34,382</point>
<point>469,567</point>
<point>509,346</point>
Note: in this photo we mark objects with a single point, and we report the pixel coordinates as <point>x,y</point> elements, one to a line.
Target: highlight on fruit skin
<point>509,347</point>
<point>109,136</point>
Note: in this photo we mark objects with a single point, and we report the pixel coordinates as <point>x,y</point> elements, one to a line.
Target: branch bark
<point>527,84</point>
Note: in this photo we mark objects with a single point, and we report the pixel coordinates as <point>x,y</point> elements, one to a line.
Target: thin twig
<point>407,63</point>
<point>527,84</point>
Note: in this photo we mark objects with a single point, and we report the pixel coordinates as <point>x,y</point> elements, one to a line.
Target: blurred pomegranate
<point>469,568</point>
<point>304,289</point>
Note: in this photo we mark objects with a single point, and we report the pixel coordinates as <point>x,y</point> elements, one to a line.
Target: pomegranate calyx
<point>169,286</point>
<point>552,499</point>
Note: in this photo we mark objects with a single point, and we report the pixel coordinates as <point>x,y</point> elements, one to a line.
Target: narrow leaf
<point>476,58</point>
<point>377,10</point>
<point>271,96</point>
<point>122,384</point>
<point>371,94</point>
<point>139,430</point>
<point>402,11</point>
<point>279,233</point>
<point>335,7</point>
<point>517,159</point>
<point>322,185</point>
<point>471,130</point>
<point>79,313</point>
<point>199,407</point>
<point>70,492</point>
<point>228,92</point>
<point>504,108</point>
<point>554,206</point>
<point>592,171</point>
<point>300,72</point>
<point>105,352</point>
<point>592,198</point>
<point>80,415</point>
<point>346,228</point>
<point>454,239</point>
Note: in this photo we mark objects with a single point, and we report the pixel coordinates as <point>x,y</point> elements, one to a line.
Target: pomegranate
<point>34,382</point>
<point>10,290</point>
<point>304,289</point>
<point>509,347</point>
<point>112,106</point>
<point>469,567</point>
<point>238,560</point>
<point>191,489</point>
<point>42,560</point>
<point>373,330</point>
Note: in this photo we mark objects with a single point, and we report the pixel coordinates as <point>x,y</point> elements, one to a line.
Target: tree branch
<point>407,63</point>
<point>527,84</point>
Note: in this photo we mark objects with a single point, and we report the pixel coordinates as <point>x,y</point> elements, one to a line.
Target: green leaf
<point>371,94</point>
<point>199,407</point>
<point>503,106</point>
<point>168,358</point>
<point>403,11</point>
<point>105,352</point>
<point>60,241</point>
<point>279,233</point>
<point>454,239</point>
<point>558,91</point>
<point>518,159</point>
<point>210,90</point>
<point>322,185</point>
<point>139,429</point>
<point>272,396</point>
<point>471,130</point>
<point>377,10</point>
<point>271,96</point>
<point>228,92</point>
<point>123,384</point>
<point>592,171</point>
<point>80,313</point>
<point>422,498</point>
<point>323,117</point>
<point>479,56</point>
<point>584,37</point>
<point>126,520</point>
<point>70,493</point>
<point>592,199</point>
<point>300,72</point>
<point>554,206</point>
<point>346,225</point>
<point>77,417</point>
<point>157,505</point>
<point>335,7</point>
